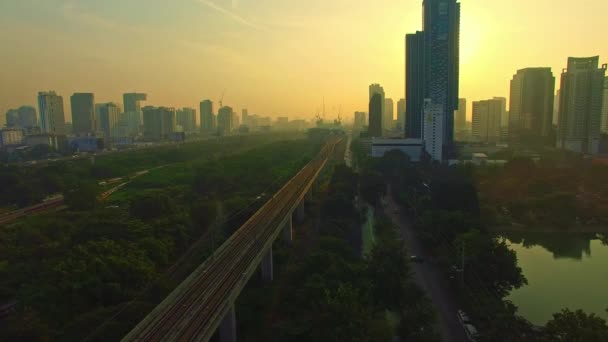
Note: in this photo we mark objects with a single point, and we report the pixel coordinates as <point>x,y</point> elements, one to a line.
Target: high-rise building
<point>12,118</point>
<point>159,122</point>
<point>27,117</point>
<point>52,118</point>
<point>531,106</point>
<point>415,89</point>
<point>442,62</point>
<point>208,122</point>
<point>388,114</point>
<point>580,109</point>
<point>556,108</point>
<point>244,117</point>
<point>460,117</point>
<point>375,115</point>
<point>109,120</point>
<point>433,129</point>
<point>225,124</point>
<point>83,113</point>
<point>377,89</point>
<point>487,117</point>
<point>186,117</point>
<point>401,115</point>
<point>360,120</point>
<point>504,119</point>
<point>133,111</point>
<point>604,127</point>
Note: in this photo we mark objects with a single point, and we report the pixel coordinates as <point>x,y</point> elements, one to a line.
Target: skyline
<point>357,46</point>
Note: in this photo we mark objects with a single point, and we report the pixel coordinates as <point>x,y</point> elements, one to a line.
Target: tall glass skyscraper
<point>433,67</point>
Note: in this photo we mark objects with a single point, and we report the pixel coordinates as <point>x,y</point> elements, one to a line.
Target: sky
<point>274,57</point>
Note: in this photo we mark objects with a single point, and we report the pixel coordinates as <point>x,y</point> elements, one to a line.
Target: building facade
<point>186,118</point>
<point>11,137</point>
<point>388,114</point>
<point>208,122</point>
<point>109,120</point>
<point>225,123</point>
<point>531,107</point>
<point>12,118</point>
<point>487,116</point>
<point>159,122</point>
<point>27,117</point>
<point>433,129</point>
<point>375,116</point>
<point>460,121</point>
<point>580,109</point>
<point>415,88</point>
<point>83,113</point>
<point>132,103</point>
<point>401,115</point>
<point>52,117</point>
<point>604,127</point>
<point>360,120</point>
<point>378,89</point>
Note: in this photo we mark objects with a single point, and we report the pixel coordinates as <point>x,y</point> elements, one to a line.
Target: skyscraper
<point>460,117</point>
<point>487,117</point>
<point>415,89</point>
<point>109,120</point>
<point>133,112</point>
<point>604,128</point>
<point>433,129</point>
<point>556,108</point>
<point>359,121</point>
<point>186,117</point>
<point>52,118</point>
<point>580,109</point>
<point>244,117</point>
<point>504,120</point>
<point>442,59</point>
<point>377,89</point>
<point>12,118</point>
<point>225,124</point>
<point>27,117</point>
<point>375,115</point>
<point>207,116</point>
<point>388,114</point>
<point>159,122</point>
<point>401,115</point>
<point>531,106</point>
<point>83,113</point>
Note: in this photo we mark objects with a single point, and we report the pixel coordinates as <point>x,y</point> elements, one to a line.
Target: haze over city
<point>274,57</point>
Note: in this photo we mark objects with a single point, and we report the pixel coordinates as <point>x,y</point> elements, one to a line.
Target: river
<point>563,271</point>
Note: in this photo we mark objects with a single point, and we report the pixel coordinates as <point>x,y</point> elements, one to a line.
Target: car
<point>463,317</point>
<point>471,332</point>
<point>417,259</point>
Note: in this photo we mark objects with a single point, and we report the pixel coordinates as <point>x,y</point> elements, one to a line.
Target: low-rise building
<point>11,137</point>
<point>410,147</point>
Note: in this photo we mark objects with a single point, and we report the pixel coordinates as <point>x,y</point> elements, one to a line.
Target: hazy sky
<point>275,57</point>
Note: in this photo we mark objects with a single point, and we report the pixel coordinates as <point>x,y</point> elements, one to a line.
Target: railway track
<point>194,310</point>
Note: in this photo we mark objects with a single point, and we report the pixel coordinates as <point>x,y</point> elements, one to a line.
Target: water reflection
<point>561,245</point>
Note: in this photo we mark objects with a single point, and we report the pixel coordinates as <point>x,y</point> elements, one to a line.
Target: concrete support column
<point>267,266</point>
<point>288,231</point>
<point>300,212</point>
<point>228,327</point>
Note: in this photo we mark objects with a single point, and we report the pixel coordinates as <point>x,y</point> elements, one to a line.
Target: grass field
<point>367,230</point>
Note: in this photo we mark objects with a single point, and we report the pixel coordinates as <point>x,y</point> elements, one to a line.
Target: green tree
<point>82,196</point>
<point>576,326</point>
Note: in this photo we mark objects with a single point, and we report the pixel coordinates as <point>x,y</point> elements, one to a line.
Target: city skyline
<point>345,66</point>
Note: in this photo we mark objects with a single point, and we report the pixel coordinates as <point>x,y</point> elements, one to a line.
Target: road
<point>429,277</point>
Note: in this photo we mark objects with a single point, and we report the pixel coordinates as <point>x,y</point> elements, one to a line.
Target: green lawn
<point>367,230</point>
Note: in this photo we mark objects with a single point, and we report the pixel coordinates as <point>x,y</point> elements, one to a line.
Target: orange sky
<point>274,57</point>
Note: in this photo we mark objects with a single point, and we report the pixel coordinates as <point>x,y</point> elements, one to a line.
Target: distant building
<point>460,116</point>
<point>360,120</point>
<point>109,120</point>
<point>208,121</point>
<point>388,114</point>
<point>235,121</point>
<point>433,129</point>
<point>410,147</point>
<point>604,127</point>
<point>244,117</point>
<point>375,116</point>
<point>42,139</point>
<point>186,117</point>
<point>400,115</point>
<point>377,89</point>
<point>415,89</point>
<point>12,118</point>
<point>531,106</point>
<point>556,108</point>
<point>27,117</point>
<point>159,122</point>
<point>83,113</point>
<point>133,111</point>
<point>52,117</point>
<point>88,143</point>
<point>487,119</point>
<point>580,110</point>
<point>224,120</point>
<point>11,137</point>
<point>504,119</point>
